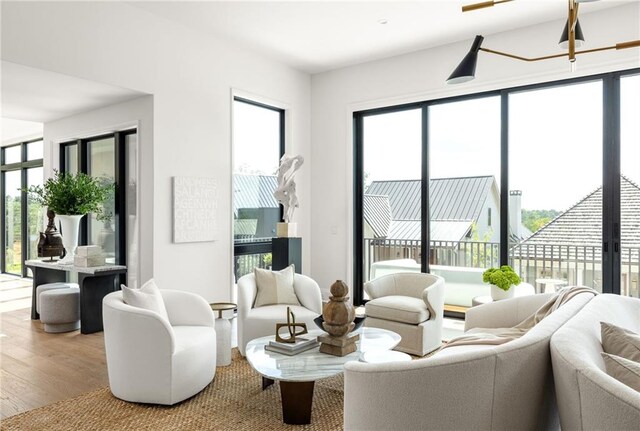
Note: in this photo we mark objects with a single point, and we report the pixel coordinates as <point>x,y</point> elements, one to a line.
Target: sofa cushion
<point>620,342</point>
<point>623,370</point>
<point>275,287</point>
<point>404,309</point>
<point>147,297</point>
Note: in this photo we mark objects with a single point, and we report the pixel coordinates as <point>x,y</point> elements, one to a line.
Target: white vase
<point>497,294</point>
<point>69,228</point>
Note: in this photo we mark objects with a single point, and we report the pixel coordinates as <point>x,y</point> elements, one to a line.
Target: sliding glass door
<point>541,177</point>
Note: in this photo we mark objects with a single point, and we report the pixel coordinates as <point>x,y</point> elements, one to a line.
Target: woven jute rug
<point>234,401</point>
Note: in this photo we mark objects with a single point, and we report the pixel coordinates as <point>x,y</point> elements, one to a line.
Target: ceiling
<point>316,36</point>
<point>41,96</point>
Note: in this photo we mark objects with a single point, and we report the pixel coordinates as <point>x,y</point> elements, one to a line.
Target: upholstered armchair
<point>410,304</point>
<point>256,322</point>
<point>152,360</point>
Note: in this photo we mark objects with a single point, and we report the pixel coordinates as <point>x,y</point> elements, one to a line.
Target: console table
<point>95,283</point>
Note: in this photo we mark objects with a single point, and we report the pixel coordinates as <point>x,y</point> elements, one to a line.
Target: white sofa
<point>150,360</point>
<point>588,398</point>
<point>261,321</point>
<point>409,304</point>
<point>504,387</point>
<point>462,284</point>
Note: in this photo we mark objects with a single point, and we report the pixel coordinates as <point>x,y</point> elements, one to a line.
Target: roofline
<point>434,179</point>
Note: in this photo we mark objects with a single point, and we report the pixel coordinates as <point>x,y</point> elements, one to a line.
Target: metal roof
<point>458,198</point>
<point>377,213</point>
<point>254,191</point>
<point>409,230</point>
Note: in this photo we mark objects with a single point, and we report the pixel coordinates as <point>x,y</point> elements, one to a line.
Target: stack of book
<point>88,255</point>
<point>290,349</point>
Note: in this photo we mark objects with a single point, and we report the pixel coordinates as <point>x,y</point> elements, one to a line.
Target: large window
<point>542,177</point>
<point>258,144</point>
<point>22,218</point>
<point>111,158</point>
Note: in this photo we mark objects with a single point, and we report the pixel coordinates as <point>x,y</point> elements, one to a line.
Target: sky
<point>555,142</point>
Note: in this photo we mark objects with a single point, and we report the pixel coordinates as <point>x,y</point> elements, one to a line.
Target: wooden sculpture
<point>338,322</point>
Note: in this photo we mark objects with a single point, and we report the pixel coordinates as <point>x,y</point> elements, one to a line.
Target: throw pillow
<point>275,287</point>
<point>623,370</point>
<point>147,297</point>
<point>620,342</point>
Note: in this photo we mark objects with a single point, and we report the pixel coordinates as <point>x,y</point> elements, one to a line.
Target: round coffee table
<point>297,374</point>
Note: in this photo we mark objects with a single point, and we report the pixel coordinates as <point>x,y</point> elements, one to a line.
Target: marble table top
<point>313,365</point>
<point>108,268</point>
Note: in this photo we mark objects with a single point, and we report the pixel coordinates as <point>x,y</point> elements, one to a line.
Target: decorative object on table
<point>357,322</point>
<point>50,242</point>
<point>338,322</point>
<point>502,280</point>
<point>285,194</point>
<point>71,197</point>
<point>88,256</point>
<point>571,36</point>
<point>291,326</point>
<point>195,206</point>
<point>302,344</point>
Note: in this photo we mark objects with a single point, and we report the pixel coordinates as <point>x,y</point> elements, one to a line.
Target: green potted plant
<point>71,197</point>
<point>502,281</point>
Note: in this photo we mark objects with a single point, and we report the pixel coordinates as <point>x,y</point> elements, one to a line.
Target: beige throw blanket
<point>496,336</point>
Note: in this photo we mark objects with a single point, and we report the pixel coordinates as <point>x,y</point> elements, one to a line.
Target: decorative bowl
<point>359,320</point>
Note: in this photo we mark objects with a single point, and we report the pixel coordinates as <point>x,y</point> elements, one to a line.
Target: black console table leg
<point>43,276</point>
<point>93,288</point>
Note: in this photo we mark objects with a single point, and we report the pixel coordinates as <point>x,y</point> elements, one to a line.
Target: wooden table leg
<point>266,382</point>
<point>297,398</point>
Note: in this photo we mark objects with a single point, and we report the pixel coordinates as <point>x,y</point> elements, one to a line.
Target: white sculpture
<point>285,193</point>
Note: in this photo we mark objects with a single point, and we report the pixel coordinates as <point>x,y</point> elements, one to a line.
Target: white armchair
<point>261,321</point>
<point>410,304</point>
<point>150,360</point>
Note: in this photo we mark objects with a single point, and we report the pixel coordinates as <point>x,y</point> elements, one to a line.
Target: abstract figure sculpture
<point>285,193</point>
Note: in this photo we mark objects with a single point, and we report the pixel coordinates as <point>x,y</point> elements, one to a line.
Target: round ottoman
<point>60,309</point>
<point>50,286</point>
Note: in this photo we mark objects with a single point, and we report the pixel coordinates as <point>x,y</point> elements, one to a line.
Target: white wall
<point>421,76</point>
<point>135,113</point>
<point>16,131</point>
<point>191,77</point>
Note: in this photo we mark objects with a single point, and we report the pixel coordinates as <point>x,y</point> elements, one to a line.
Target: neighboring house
<point>572,241</point>
<point>255,210</point>
<point>462,209</point>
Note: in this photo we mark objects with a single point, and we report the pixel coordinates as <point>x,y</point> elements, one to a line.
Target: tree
<point>534,220</point>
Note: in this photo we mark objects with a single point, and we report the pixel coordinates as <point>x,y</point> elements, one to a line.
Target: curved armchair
<point>410,304</point>
<point>152,360</point>
<point>261,321</point>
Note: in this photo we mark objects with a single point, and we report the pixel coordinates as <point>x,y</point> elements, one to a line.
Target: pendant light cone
<point>466,70</point>
<point>564,39</point>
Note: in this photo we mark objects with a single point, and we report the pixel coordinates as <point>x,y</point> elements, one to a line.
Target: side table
<point>223,333</point>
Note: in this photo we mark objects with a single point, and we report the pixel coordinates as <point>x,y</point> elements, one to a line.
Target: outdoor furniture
<point>550,285</point>
<point>60,309</point>
<point>410,304</point>
<point>589,398</point>
<point>503,387</point>
<point>152,360</point>
<point>255,322</point>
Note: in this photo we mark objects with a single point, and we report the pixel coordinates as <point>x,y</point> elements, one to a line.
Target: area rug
<point>234,401</point>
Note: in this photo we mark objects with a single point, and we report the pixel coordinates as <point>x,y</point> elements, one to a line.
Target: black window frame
<point>241,248</point>
<point>611,258</point>
<point>23,166</point>
<point>120,170</point>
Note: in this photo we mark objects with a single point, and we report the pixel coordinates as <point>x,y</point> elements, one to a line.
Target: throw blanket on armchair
<point>496,336</point>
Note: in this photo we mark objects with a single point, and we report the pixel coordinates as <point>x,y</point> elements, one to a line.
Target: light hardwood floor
<point>37,368</point>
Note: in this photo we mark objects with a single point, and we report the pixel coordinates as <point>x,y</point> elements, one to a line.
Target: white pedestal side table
<point>223,333</point>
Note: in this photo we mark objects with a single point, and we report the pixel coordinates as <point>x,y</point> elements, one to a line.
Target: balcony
<point>575,264</point>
